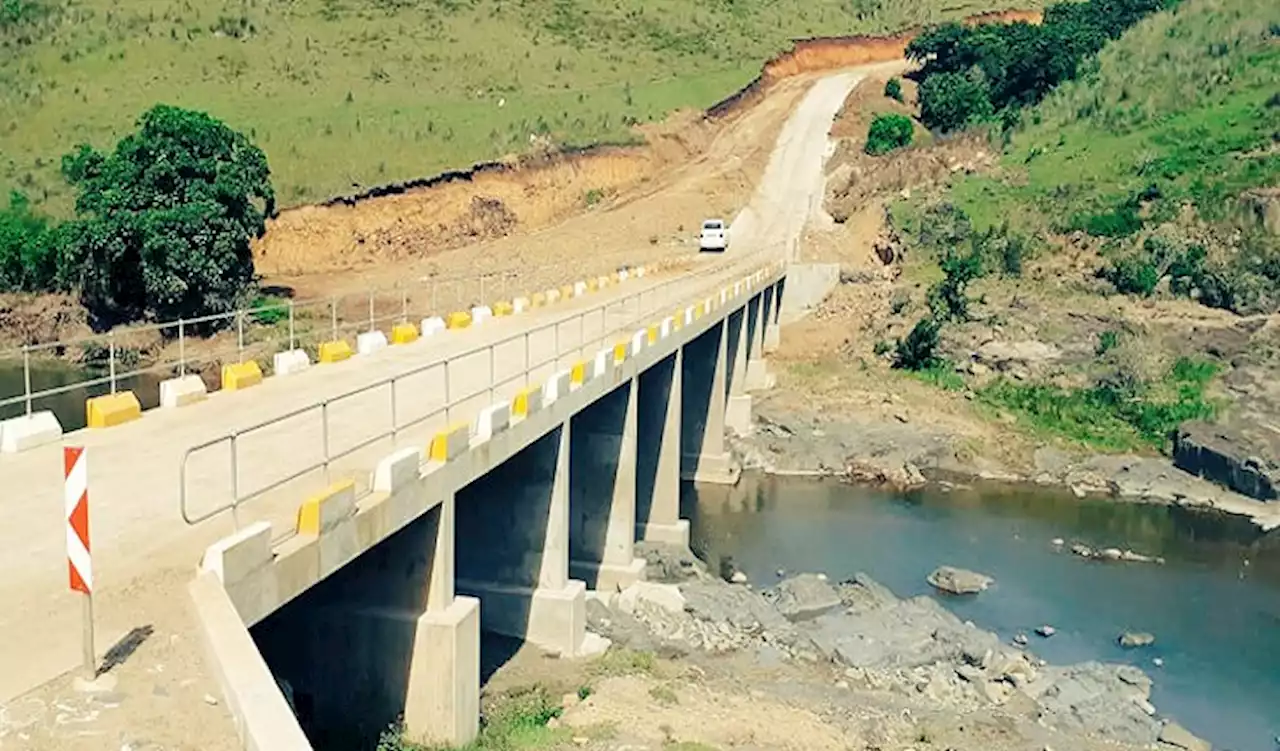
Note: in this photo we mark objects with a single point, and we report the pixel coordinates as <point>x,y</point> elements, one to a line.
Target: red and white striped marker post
<point>79,562</point>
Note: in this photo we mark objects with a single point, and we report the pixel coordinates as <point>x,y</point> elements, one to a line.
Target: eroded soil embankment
<point>495,199</point>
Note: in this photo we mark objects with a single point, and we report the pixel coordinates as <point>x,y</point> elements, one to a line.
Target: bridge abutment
<point>658,454</point>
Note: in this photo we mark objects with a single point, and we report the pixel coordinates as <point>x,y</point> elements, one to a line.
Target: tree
<point>888,132</point>
<point>953,101</point>
<point>164,221</point>
<point>28,249</point>
<point>919,350</point>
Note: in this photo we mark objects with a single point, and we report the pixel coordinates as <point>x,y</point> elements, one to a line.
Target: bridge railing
<point>454,395</point>
<point>119,356</point>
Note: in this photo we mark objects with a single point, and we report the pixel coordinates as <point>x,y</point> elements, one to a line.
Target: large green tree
<point>164,221</point>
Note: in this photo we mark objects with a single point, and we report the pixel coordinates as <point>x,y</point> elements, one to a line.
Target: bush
<point>919,350</point>
<point>954,101</point>
<point>893,88</point>
<point>164,221</point>
<point>29,259</point>
<point>1133,275</point>
<point>949,298</point>
<point>888,132</point>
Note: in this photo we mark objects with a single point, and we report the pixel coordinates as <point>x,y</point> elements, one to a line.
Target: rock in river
<point>1135,639</point>
<point>958,581</point>
<point>1175,735</point>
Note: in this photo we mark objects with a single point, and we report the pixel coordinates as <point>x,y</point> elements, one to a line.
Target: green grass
<point>1108,419</point>
<point>515,722</point>
<point>941,374</point>
<point>1182,109</point>
<point>343,94</point>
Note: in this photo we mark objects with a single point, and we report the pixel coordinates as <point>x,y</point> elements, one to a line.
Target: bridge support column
<point>658,454</point>
<point>773,313</point>
<point>758,376</point>
<point>603,493</point>
<point>705,458</point>
<point>515,548</point>
<point>738,406</point>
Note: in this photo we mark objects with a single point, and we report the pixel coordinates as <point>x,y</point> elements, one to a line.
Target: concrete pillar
<point>758,376</point>
<point>513,552</point>
<point>772,333</point>
<point>658,454</point>
<point>738,405</point>
<point>603,493</point>
<point>705,458</point>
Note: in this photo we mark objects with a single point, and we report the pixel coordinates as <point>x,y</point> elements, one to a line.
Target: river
<point>1214,606</point>
<point>68,406</point>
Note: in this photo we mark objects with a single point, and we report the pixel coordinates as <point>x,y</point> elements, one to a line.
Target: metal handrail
<point>245,320</point>
<point>233,438</point>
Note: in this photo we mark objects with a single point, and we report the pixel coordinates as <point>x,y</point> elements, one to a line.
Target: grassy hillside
<point>1164,133</point>
<point>347,93</point>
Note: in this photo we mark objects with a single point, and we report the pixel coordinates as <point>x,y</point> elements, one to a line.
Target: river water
<point>1214,606</point>
<point>68,406</point>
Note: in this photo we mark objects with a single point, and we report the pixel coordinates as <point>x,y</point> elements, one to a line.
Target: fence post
<point>526,359</point>
<point>482,298</point>
<point>182,348</point>
<point>240,335</point>
<point>291,336</point>
<point>404,306</point>
<point>371,324</point>
<point>111,358</point>
<point>235,481</point>
<point>26,375</point>
<point>435,308</point>
<point>324,432</point>
<point>333,318</point>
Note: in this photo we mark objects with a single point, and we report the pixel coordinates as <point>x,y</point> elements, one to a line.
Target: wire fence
<point>138,357</point>
<point>314,434</point>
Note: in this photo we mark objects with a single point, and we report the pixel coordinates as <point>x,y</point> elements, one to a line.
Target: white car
<point>714,237</point>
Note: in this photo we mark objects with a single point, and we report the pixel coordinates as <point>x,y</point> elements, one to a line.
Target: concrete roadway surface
<point>139,538</point>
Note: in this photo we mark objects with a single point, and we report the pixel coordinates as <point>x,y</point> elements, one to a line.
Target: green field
<point>345,94</point>
<point>1182,110</point>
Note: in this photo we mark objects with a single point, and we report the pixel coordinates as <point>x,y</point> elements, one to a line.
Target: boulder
<point>803,597</point>
<point>958,581</point>
<point>1173,734</point>
<point>1230,455</point>
<point>1011,356</point>
<point>664,596</point>
<point>1135,639</point>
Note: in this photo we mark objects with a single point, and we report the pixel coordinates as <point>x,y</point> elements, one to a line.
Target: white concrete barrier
<point>638,271</point>
<point>602,363</point>
<point>688,316</point>
<point>492,420</point>
<point>624,275</point>
<point>28,431</point>
<point>737,288</point>
<point>579,289</point>
<point>556,387</point>
<point>396,470</point>
<point>519,305</point>
<point>179,392</point>
<point>668,324</point>
<point>553,295</point>
<point>480,314</point>
<point>432,326</point>
<point>638,340</point>
<point>370,342</point>
<point>290,362</point>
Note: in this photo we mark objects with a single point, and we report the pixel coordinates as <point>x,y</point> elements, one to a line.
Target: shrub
<point>888,132</point>
<point>29,258</point>
<point>164,221</point>
<point>954,101</point>
<point>949,298</point>
<point>1133,275</point>
<point>919,350</point>
<point>893,88</point>
<point>1107,341</point>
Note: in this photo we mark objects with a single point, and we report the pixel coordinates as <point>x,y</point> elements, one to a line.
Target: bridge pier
<point>773,314</point>
<point>706,459</point>
<point>738,404</point>
<point>602,492</point>
<point>384,638</point>
<point>514,524</point>
<point>758,310</point>
<point>658,454</point>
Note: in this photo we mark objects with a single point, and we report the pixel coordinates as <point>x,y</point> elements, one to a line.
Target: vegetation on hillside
<point>887,133</point>
<point>345,94</point>
<point>162,223</point>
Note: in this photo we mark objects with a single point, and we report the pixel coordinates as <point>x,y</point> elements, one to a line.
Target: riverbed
<point>1213,605</point>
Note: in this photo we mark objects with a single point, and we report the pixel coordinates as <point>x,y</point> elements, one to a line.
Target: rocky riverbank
<point>874,671</point>
<point>889,449</point>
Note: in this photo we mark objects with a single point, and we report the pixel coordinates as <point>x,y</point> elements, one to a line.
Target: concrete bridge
<point>372,609</point>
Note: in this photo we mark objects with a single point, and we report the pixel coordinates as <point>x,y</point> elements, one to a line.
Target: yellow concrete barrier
<point>593,285</point>
<point>112,409</point>
<point>335,351</point>
<point>449,442</point>
<point>566,292</point>
<point>527,401</point>
<point>458,320</point>
<point>620,352</point>
<point>404,333</point>
<point>653,333</point>
<point>502,308</point>
<point>578,373</point>
<point>677,320</point>
<point>538,300</point>
<point>312,513</point>
<point>240,375</point>
<point>698,310</point>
